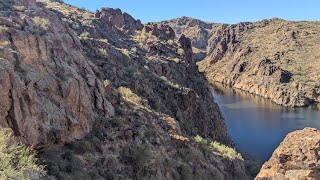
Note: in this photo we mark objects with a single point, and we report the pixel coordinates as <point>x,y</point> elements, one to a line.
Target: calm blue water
<point>256,125</point>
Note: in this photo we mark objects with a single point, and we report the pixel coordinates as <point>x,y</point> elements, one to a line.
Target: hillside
<point>274,58</point>
<point>102,96</point>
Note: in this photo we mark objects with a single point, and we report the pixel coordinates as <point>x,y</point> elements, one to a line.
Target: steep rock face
<point>187,49</point>
<point>297,157</point>
<point>122,21</point>
<point>49,90</point>
<point>163,32</point>
<point>65,65</point>
<point>198,31</point>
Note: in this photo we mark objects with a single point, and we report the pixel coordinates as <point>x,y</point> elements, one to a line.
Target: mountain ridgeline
<point>275,58</point>
<point>103,96</point>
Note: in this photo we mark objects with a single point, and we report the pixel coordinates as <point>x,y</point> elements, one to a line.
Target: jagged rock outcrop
<point>163,32</point>
<point>187,49</point>
<point>198,31</point>
<point>122,21</point>
<point>50,92</point>
<point>233,53</point>
<point>297,157</point>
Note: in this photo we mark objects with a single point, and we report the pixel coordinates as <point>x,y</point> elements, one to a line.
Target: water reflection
<point>255,124</point>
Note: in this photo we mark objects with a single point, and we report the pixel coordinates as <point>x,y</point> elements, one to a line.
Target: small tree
<point>17,161</point>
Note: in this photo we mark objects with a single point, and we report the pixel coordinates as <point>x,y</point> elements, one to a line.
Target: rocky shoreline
<point>271,58</point>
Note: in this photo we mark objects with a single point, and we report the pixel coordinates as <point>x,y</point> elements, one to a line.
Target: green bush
<point>129,95</point>
<point>103,51</point>
<point>17,161</point>
<point>169,83</point>
<point>200,139</point>
<point>226,151</point>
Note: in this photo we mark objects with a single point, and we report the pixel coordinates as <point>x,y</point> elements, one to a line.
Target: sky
<point>219,11</point>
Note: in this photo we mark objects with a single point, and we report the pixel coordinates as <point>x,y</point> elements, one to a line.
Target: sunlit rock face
<point>297,157</point>
<point>50,92</point>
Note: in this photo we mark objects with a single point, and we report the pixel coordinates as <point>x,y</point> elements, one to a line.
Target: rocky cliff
<point>297,157</point>
<point>50,91</point>
<point>272,58</point>
<point>104,97</point>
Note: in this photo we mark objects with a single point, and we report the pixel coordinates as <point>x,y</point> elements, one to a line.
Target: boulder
<point>297,157</point>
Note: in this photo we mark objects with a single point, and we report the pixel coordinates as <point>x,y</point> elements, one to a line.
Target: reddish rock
<point>297,157</point>
<point>163,32</point>
<point>122,21</point>
<point>50,92</point>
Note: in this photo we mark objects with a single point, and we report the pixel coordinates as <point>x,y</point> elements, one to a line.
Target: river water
<point>255,124</point>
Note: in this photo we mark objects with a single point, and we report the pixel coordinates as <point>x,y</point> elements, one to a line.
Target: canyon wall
<point>102,96</point>
<point>274,58</point>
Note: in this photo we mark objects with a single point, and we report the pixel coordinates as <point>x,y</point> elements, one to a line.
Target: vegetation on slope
<point>17,161</point>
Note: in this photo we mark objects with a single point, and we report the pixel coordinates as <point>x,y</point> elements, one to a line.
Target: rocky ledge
<point>297,157</point>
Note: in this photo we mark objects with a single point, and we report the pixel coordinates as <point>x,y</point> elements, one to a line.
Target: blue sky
<point>230,11</point>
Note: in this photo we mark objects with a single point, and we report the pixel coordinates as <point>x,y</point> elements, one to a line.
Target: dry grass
<point>129,95</point>
<point>226,151</point>
<point>42,23</point>
<point>169,83</point>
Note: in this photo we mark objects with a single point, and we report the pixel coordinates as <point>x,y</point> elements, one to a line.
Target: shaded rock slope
<point>102,96</point>
<point>274,58</point>
<point>297,157</point>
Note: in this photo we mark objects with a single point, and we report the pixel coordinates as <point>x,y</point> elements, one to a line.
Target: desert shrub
<point>191,154</point>
<point>181,51</point>
<point>125,52</point>
<point>170,41</point>
<point>146,67</point>
<point>134,50</point>
<point>225,150</point>
<point>85,34</point>
<point>17,161</point>
<point>129,95</point>
<point>3,29</point>
<point>87,15</point>
<point>103,51</point>
<point>186,172</point>
<point>4,43</point>
<point>169,83</point>
<point>200,139</point>
<point>19,8</point>
<point>41,22</point>
<point>136,154</point>
<point>106,83</point>
<point>103,40</point>
<point>64,165</point>
<point>82,146</point>
<point>176,60</point>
